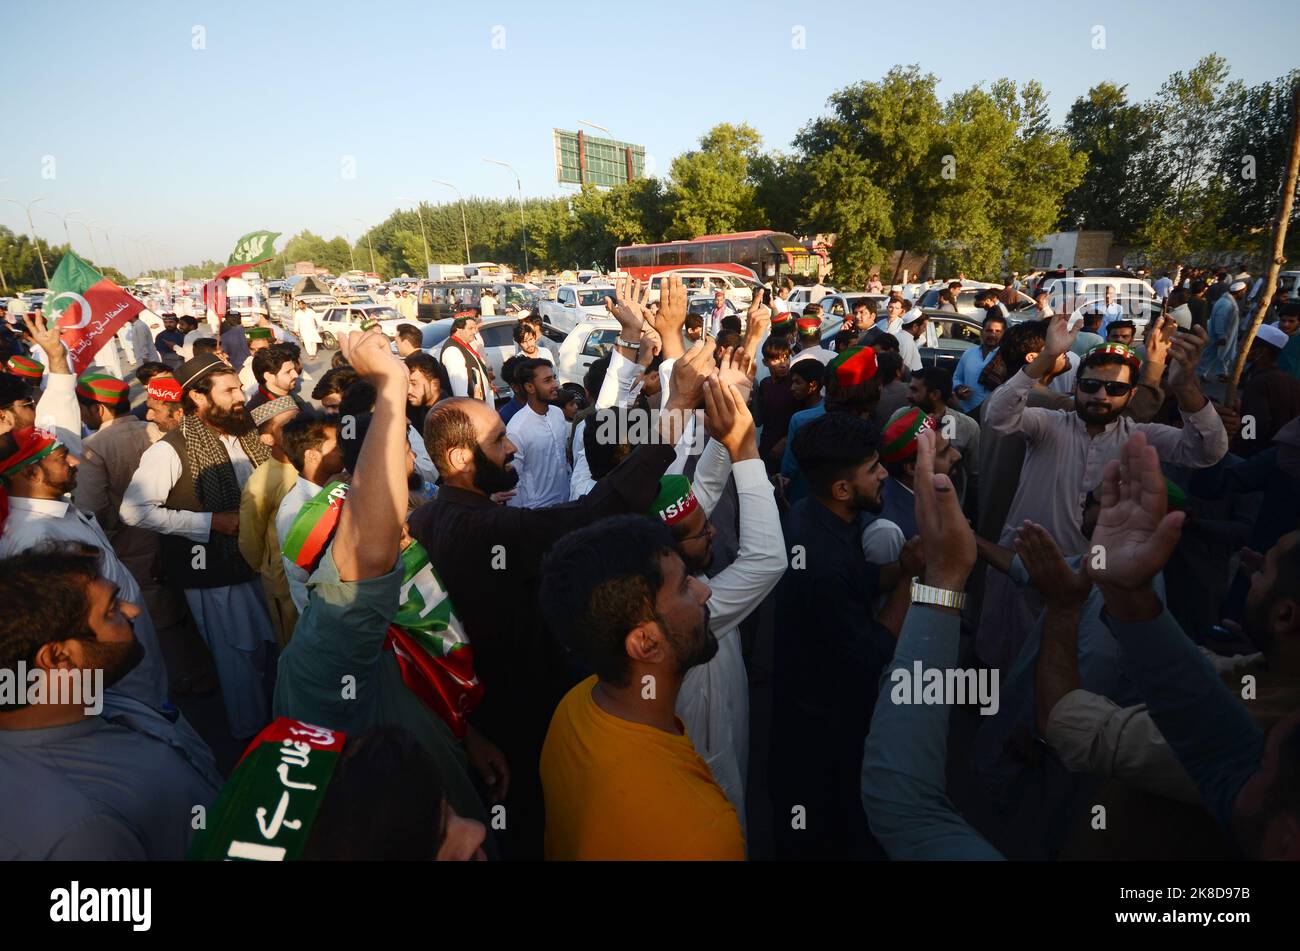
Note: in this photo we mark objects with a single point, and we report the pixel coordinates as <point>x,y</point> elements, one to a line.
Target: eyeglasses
<point>24,404</point>
<point>1113,387</point>
<point>708,528</point>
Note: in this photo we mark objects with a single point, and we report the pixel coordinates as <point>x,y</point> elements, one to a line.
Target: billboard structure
<point>582,159</point>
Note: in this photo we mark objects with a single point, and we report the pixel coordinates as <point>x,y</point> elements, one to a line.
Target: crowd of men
<point>443,624</point>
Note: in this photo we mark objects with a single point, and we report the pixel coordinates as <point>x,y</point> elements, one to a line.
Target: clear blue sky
<point>194,147</point>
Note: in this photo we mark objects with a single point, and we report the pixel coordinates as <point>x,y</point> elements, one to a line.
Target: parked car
<point>842,303</point>
<point>343,319</point>
<point>739,290</point>
<point>583,346</point>
<point>439,301</point>
<point>949,336</point>
<point>575,304</point>
<point>966,299</point>
<point>1070,293</point>
<point>800,297</point>
<point>702,304</point>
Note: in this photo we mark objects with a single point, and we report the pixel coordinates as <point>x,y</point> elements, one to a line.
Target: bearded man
<point>188,490</point>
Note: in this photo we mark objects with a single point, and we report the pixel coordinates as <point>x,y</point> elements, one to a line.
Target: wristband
<point>939,597</point>
<point>619,341</point>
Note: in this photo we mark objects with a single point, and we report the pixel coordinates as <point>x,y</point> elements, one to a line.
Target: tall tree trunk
<point>1279,242</point>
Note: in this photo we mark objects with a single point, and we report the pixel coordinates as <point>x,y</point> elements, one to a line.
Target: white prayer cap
<point>912,316</point>
<point>1236,286</point>
<point>1273,335</point>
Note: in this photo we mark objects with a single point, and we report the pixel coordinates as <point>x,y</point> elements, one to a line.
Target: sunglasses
<point>1113,387</point>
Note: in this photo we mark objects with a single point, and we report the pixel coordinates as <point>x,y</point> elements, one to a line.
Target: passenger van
<point>441,301</point>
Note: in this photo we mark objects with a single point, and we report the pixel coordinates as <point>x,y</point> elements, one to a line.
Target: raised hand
<point>1186,347</point>
<point>689,374</point>
<point>728,420</point>
<point>1134,536</point>
<point>1059,585</point>
<point>672,315</point>
<point>946,536</point>
<point>1060,338</point>
<point>757,321</point>
<point>370,353</point>
<point>1160,339</point>
<point>625,307</point>
<point>47,334</point>
<point>737,369</point>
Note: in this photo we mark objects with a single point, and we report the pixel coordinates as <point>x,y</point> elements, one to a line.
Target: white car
<point>1070,293</point>
<point>583,346</point>
<point>337,321</point>
<point>739,290</point>
<point>576,304</point>
<point>802,296</point>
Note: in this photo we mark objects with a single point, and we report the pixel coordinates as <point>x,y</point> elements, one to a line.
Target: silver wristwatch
<point>939,597</point>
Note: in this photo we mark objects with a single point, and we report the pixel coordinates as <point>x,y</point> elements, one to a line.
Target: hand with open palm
<point>1135,535</point>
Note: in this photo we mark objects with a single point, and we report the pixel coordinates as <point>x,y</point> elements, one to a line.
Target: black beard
<point>490,478</point>
<point>862,503</point>
<point>1093,418</point>
<point>234,422</point>
<point>116,660</point>
<point>699,648</point>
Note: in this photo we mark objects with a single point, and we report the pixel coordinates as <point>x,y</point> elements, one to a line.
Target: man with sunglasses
<point>1068,450</point>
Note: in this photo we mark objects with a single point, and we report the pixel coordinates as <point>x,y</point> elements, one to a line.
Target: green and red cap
<point>808,325</point>
<point>314,527</point>
<point>33,445</point>
<point>25,367</point>
<point>781,318</point>
<point>898,441</point>
<point>1125,353</point>
<point>676,499</point>
<point>855,365</point>
<point>101,388</point>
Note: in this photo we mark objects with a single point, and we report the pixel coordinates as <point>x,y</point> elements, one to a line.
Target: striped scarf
<point>215,484</point>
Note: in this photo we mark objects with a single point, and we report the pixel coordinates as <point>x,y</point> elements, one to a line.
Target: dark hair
<point>694,322</point>
<point>365,816</point>
<point>205,345</point>
<point>335,380</point>
<point>510,369</point>
<point>1099,358</point>
<point>307,430</point>
<point>727,338</point>
<point>844,339</point>
<point>338,360</point>
<point>458,323</point>
<point>937,379</point>
<point>600,582</point>
<point>358,398</point>
<point>432,368</point>
<point>857,399</point>
<point>886,342</point>
<point>730,322</point>
<point>119,407</point>
<point>1019,341</point>
<point>411,334</point>
<point>13,389</point>
<point>774,347</point>
<point>812,310</point>
<point>570,392</point>
<point>526,372</point>
<point>1290,309</point>
<point>810,370</point>
<point>187,319</point>
<point>351,438</point>
<point>521,328</point>
<point>203,385</point>
<point>270,360</point>
<point>889,365</point>
<point>1123,324</point>
<point>832,446</point>
<point>995,317</point>
<point>447,427</point>
<point>150,369</point>
<point>61,573</point>
<point>594,378</point>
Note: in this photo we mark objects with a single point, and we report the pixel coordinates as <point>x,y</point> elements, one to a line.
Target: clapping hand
<point>945,534</point>
<point>1060,586</point>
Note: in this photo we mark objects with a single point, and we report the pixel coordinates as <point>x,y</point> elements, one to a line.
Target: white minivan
<point>1068,294</point>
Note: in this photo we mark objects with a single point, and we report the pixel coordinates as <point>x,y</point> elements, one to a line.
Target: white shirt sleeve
<point>882,542</point>
<point>580,482</point>
<point>58,411</point>
<point>423,464</point>
<point>142,503</point>
<point>454,363</point>
<point>616,390</point>
<point>761,560</point>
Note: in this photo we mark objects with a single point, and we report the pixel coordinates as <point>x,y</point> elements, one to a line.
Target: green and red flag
<point>254,248</point>
<point>88,308</point>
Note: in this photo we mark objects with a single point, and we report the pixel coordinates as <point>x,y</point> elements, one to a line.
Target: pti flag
<point>88,308</point>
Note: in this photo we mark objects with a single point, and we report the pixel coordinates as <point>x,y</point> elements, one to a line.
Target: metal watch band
<point>940,597</point>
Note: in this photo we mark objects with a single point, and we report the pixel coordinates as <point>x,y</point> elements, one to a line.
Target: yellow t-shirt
<point>622,790</point>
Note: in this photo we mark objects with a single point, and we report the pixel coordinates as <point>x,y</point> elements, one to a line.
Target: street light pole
<point>348,238</point>
<point>419,210</point>
<point>463,226</point>
<point>369,244</point>
<point>522,225</point>
<point>36,241</point>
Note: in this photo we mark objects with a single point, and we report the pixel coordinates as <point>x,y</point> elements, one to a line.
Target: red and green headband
<point>266,809</point>
<point>33,446</point>
<point>676,499</point>
<point>1125,353</point>
<point>853,366</point>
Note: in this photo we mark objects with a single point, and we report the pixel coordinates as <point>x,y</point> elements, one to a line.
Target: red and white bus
<point>758,255</point>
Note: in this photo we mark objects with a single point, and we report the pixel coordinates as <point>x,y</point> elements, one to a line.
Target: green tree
<point>1109,131</point>
<point>710,190</point>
